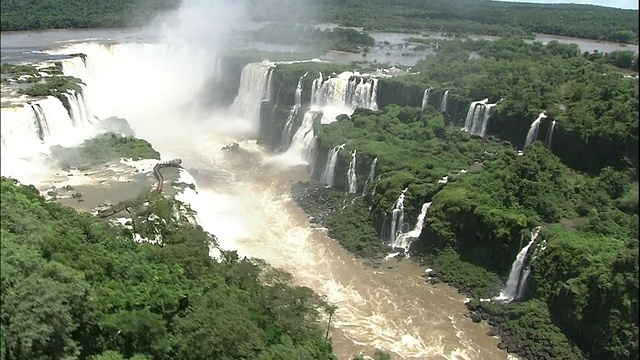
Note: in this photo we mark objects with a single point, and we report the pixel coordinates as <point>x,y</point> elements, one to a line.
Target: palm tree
<point>330,309</point>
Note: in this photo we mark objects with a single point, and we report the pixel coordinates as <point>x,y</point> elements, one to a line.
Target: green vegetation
<point>60,14</point>
<point>329,39</point>
<point>108,297</point>
<point>485,17</point>
<point>102,149</point>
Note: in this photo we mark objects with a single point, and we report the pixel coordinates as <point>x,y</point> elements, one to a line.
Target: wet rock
<point>476,318</point>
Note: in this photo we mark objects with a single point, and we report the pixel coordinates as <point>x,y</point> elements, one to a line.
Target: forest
<point>108,297</point>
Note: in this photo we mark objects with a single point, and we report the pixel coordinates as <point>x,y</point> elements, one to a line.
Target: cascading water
<point>372,174</point>
<point>532,135</point>
<point>397,217</point>
<point>549,138</point>
<point>443,103</point>
<point>303,144</point>
<point>351,174</point>
<point>478,117</point>
<point>425,98</point>
<point>288,127</point>
<point>404,240</point>
<point>329,169</point>
<point>516,276</point>
<point>254,87</point>
<point>342,94</point>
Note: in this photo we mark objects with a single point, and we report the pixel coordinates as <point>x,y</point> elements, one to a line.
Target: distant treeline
<point>61,14</point>
<point>450,16</point>
<point>486,17</point>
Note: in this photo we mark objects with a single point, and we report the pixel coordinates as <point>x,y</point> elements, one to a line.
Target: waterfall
<point>286,132</point>
<point>514,284</point>
<point>532,135</point>
<point>397,217</point>
<point>404,240</point>
<point>372,174</point>
<point>303,143</point>
<point>477,117</point>
<point>425,98</point>
<point>254,82</point>
<point>351,174</point>
<point>328,172</point>
<point>77,109</point>
<point>548,140</point>
<point>342,94</point>
<point>443,103</point>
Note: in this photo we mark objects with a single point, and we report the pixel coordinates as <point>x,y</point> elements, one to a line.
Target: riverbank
<point>524,329</point>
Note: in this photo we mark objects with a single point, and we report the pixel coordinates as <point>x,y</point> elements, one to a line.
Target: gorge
<point>387,173</point>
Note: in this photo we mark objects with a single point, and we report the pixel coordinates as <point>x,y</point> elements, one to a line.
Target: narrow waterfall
<point>351,174</point>
<point>77,109</point>
<point>425,98</point>
<point>397,217</point>
<point>286,132</point>
<point>329,169</point>
<point>254,82</point>
<point>443,103</point>
<point>549,138</point>
<point>372,174</point>
<point>515,281</point>
<point>342,94</point>
<point>303,143</point>
<point>532,135</point>
<point>478,117</point>
<point>404,240</point>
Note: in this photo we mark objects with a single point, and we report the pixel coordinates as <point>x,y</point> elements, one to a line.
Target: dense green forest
<point>75,287</point>
<point>448,16</point>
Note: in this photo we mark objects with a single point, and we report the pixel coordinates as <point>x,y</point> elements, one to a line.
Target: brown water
<point>245,201</point>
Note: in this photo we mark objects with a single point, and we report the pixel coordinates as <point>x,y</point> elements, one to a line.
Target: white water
<point>532,135</point>
<point>549,138</point>
<point>288,127</point>
<point>515,282</point>
<point>254,87</point>
<point>478,117</point>
<point>372,174</point>
<point>397,217</point>
<point>404,240</point>
<point>303,145</point>
<point>425,98</point>
<point>443,103</point>
<point>28,130</point>
<point>342,94</point>
<point>351,174</point>
<point>328,172</point>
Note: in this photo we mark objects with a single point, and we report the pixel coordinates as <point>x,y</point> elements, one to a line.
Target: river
<point>244,198</point>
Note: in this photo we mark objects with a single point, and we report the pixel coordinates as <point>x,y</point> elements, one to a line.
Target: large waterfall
<point>514,285</point>
<point>254,87</point>
<point>532,135</point>
<point>351,174</point>
<point>28,125</point>
<point>372,174</point>
<point>397,217</point>
<point>478,117</point>
<point>342,94</point>
<point>286,132</point>
<point>329,169</point>
<point>425,98</point>
<point>404,240</point>
<point>443,103</point>
<point>549,138</point>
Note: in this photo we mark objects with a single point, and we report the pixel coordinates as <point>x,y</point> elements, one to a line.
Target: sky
<point>623,4</point>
